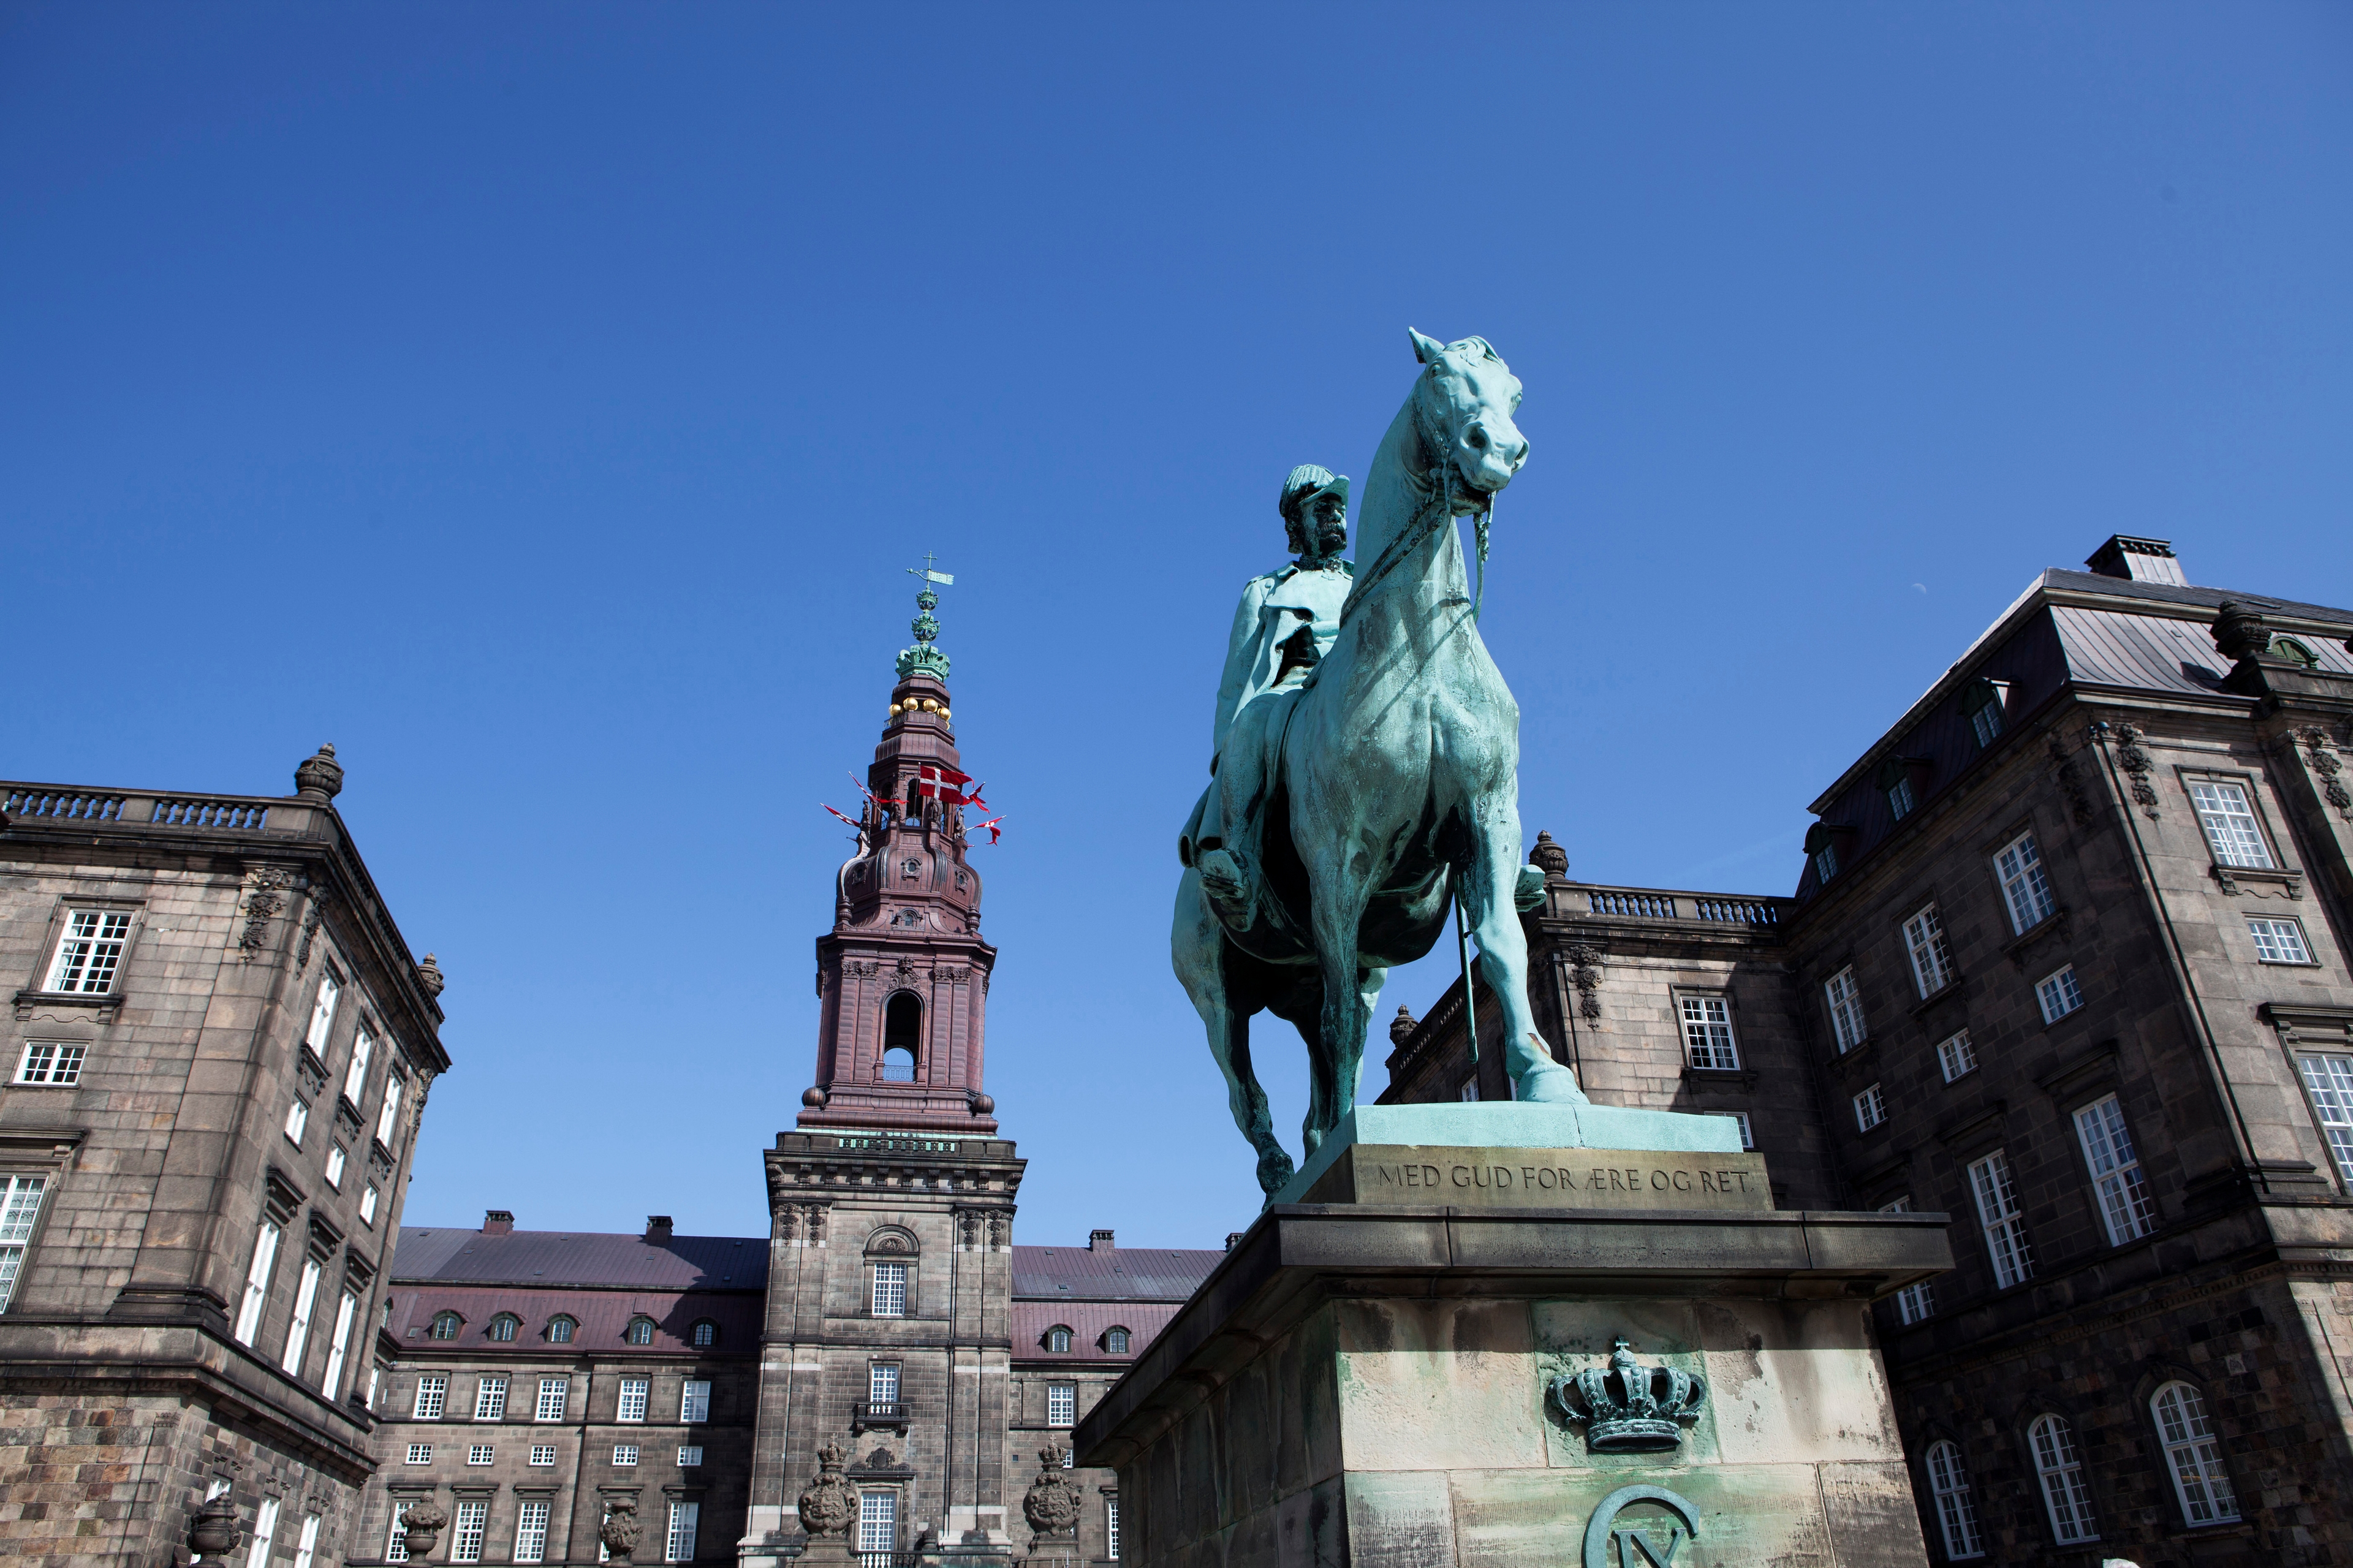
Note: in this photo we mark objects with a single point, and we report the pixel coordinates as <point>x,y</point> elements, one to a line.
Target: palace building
<point>2068,959</point>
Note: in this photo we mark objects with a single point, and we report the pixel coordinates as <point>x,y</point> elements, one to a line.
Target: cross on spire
<point>944,579</point>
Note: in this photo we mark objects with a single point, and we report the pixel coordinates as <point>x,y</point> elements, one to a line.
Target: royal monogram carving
<point>1629,1408</point>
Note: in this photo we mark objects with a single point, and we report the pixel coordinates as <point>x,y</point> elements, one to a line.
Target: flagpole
<point>1470,1003</point>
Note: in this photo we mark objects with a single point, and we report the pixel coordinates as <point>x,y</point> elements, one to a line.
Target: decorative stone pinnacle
<point>320,777</point>
<point>428,975</point>
<point>1549,855</point>
<point>1402,1027</point>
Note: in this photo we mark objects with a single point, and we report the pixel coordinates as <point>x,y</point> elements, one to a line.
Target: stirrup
<point>1226,883</point>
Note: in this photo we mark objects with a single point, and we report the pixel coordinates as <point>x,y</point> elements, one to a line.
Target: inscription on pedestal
<point>1543,1178</point>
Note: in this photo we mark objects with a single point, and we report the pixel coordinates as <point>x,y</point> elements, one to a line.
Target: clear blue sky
<point>541,403</point>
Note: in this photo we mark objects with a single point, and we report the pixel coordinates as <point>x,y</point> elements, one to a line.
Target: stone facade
<point>2114,1060</point>
<point>204,1165</point>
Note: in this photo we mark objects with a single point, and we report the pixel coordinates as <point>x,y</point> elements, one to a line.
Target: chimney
<point>1099,1241</point>
<point>1231,1237</point>
<point>657,1228</point>
<point>497,1222</point>
<point>2140,559</point>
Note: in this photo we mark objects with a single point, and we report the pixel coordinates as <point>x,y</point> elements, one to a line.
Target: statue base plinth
<point>1376,1384</point>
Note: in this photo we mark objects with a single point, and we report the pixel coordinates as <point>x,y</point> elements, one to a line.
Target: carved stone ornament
<point>422,1526</point>
<point>1548,855</point>
<point>1000,1229</point>
<point>265,897</point>
<point>429,975</point>
<point>2135,761</point>
<point>620,1528</point>
<point>1585,974</point>
<point>1052,1502</point>
<point>213,1532</point>
<point>2071,781</point>
<point>829,1503</point>
<point>2323,758</point>
<point>969,1226</point>
<point>320,777</point>
<point>1401,1028</point>
<point>310,919</point>
<point>1629,1408</point>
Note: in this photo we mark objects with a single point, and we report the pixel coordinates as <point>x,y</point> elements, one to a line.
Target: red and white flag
<point>993,831</point>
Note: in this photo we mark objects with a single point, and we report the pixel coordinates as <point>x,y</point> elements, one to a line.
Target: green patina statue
<point>1367,773</point>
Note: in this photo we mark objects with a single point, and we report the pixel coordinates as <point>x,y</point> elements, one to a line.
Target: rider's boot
<point>1226,882</point>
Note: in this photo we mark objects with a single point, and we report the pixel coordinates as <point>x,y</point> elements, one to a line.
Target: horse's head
<point>1464,407</point>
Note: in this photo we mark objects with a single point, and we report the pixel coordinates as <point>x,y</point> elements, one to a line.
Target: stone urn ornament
<point>213,1532</point>
<point>829,1503</point>
<point>621,1528</point>
<point>1052,1503</point>
<point>422,1526</point>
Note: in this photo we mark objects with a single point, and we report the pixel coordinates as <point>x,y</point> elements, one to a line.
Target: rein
<point>1411,534</point>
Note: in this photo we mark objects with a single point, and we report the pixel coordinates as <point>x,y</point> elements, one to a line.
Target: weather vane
<point>924,656</point>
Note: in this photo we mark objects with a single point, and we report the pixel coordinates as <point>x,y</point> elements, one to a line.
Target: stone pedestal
<point>1377,1384</point>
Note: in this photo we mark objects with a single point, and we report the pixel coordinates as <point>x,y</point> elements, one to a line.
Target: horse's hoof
<point>1274,1173</point>
<point>1550,1084</point>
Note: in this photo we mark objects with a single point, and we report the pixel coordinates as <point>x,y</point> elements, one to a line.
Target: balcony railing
<point>66,803</point>
<point>879,1412</point>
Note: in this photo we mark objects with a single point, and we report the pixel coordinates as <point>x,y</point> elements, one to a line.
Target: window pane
<point>1957,1512</point>
<point>890,1291</point>
<point>883,1383</point>
<point>694,1399</point>
<point>634,1392</point>
<point>531,1532</point>
<point>679,1546</point>
<point>89,952</point>
<point>1707,1032</point>
<point>431,1393</point>
<point>2278,942</point>
<point>466,1542</point>
<point>877,1521</point>
<point>2229,823</point>
<point>2024,889</point>
<point>1932,961</point>
<point>2063,1491</point>
<point>2125,1206</point>
<point>20,1206</point>
<point>1845,1000</point>
<point>2005,1228</point>
<point>2058,995</point>
<point>257,1283</point>
<point>2193,1456</point>
<point>2329,1078</point>
<point>1956,1057</point>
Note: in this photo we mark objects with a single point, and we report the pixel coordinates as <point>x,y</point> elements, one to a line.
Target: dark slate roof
<point>2180,594</point>
<point>549,1258</point>
<point>1115,1274</point>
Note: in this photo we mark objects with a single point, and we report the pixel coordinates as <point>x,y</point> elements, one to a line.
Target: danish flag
<point>993,831</point>
<point>936,782</point>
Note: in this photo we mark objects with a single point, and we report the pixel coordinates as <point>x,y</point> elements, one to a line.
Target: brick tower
<point>891,1201</point>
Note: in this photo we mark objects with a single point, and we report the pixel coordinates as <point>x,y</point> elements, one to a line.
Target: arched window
<point>1957,1511</point>
<point>503,1326</point>
<point>1058,1340</point>
<point>2193,1456</point>
<point>1115,1340</point>
<point>902,1036</point>
<point>640,1331</point>
<point>703,1335</point>
<point>446,1325</point>
<point>2061,1474</point>
<point>559,1330</point>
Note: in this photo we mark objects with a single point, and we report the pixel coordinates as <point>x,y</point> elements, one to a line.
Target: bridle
<point>1432,514</point>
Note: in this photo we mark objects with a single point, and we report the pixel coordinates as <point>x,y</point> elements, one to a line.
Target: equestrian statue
<point>1366,770</point>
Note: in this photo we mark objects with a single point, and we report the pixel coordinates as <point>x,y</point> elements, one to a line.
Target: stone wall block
<point>1399,1518</point>
<point>1438,1384</point>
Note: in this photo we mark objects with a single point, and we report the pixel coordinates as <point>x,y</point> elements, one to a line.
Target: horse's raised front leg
<point>1196,946</point>
<point>1503,960</point>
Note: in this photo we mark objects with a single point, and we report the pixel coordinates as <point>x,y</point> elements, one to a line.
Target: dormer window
<point>503,1327</point>
<point>703,1335</point>
<point>446,1325</point>
<point>1984,703</point>
<point>640,1331</point>
<point>1903,780</point>
<point>560,1330</point>
<point>1821,849</point>
<point>1825,863</point>
<point>1058,1340</point>
<point>1115,1340</point>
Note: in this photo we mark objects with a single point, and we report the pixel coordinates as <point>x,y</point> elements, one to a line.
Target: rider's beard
<point>1331,539</point>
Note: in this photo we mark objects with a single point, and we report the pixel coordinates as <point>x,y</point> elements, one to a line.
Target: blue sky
<point>542,403</point>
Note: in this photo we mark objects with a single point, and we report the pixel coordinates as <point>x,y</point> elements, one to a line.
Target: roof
<point>1088,1321</point>
<point>1114,1274</point>
<point>602,1316</point>
<point>545,1259</point>
<point>2186,594</point>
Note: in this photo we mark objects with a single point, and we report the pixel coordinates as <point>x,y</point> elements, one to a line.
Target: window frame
<point>20,1225</point>
<point>1874,1101</point>
<point>1727,1047</point>
<point>2032,879</point>
<point>490,1396</point>
<point>2061,1459</point>
<point>571,1326</point>
<point>532,1515</point>
<point>632,1399</point>
<point>2296,931</point>
<point>695,1402</point>
<point>449,1315</point>
<point>432,1388</point>
<point>685,1522</point>
<point>506,1320</point>
<point>533,1459</point>
<point>2059,984</point>
<point>58,1071</point>
<point>1066,1394</point>
<point>890,1281</point>
<point>554,1396</point>
<point>1840,1006</point>
<point>880,1375</point>
<point>2222,1497</point>
<point>2267,839</point>
<point>122,943</point>
<point>1928,943</point>
<point>2317,1102</point>
<point>1060,1339</point>
<point>703,1335</point>
<point>1123,1335</point>
<point>1957,1045</point>
<point>469,1529</point>
<point>1980,695</point>
<point>638,1330</point>
<point>2010,1249</point>
<point>1950,1490</point>
<point>2131,1194</point>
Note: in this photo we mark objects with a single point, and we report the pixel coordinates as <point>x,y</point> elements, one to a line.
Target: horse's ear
<point>1426,350</point>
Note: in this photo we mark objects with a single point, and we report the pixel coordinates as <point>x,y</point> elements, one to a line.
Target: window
<point>257,1283</point>
<point>1058,1340</point>
<point>1932,961</point>
<point>552,1392</point>
<point>890,1299</point>
<point>1914,1304</point>
<point>1870,1109</point>
<point>20,1204</point>
<point>467,1531</point>
<point>89,952</point>
<point>335,1159</point>
<point>1957,1512</point>
<point>1115,1342</point>
<point>339,1345</point>
<point>478,1453</point>
<point>531,1532</point>
<point>2025,890</point>
<point>1111,1527</point>
<point>1825,862</point>
<point>432,1393</point>
<point>491,1399</point>
<point>355,1076</point>
<point>445,1326</point>
<point>877,1521</point>
<point>559,1330</point>
<point>1707,1034</point>
<point>502,1327</point>
<point>2126,1207</point>
<point>396,1546</point>
<point>695,1399</point>
<point>625,1453</point>
<point>1956,1057</point>
<point>2058,994</point>
<point>51,1062</point>
<point>690,1457</point>
<point>265,1532</point>
<point>420,1453</point>
<point>1983,703</point>
<point>1469,1090</point>
<point>632,1406</point>
<point>883,1383</point>
<point>1062,1404</point>
<point>640,1331</point>
<point>680,1545</point>
<point>387,1121</point>
<point>2278,942</point>
<point>543,1453</point>
<point>2005,1227</point>
<point>307,1549</point>
<point>376,1371</point>
<point>703,1335</point>
<point>897,1065</point>
<point>1748,1132</point>
<point>367,1204</point>
<point>2193,1456</point>
<point>298,1122</point>
<point>2064,1492</point>
<point>298,1333</point>
<point>1846,1010</point>
<point>322,1013</point>
<point>2231,831</point>
<point>2328,1079</point>
<point>1900,798</point>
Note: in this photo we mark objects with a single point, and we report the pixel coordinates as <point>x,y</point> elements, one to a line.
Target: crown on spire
<point>923,658</point>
